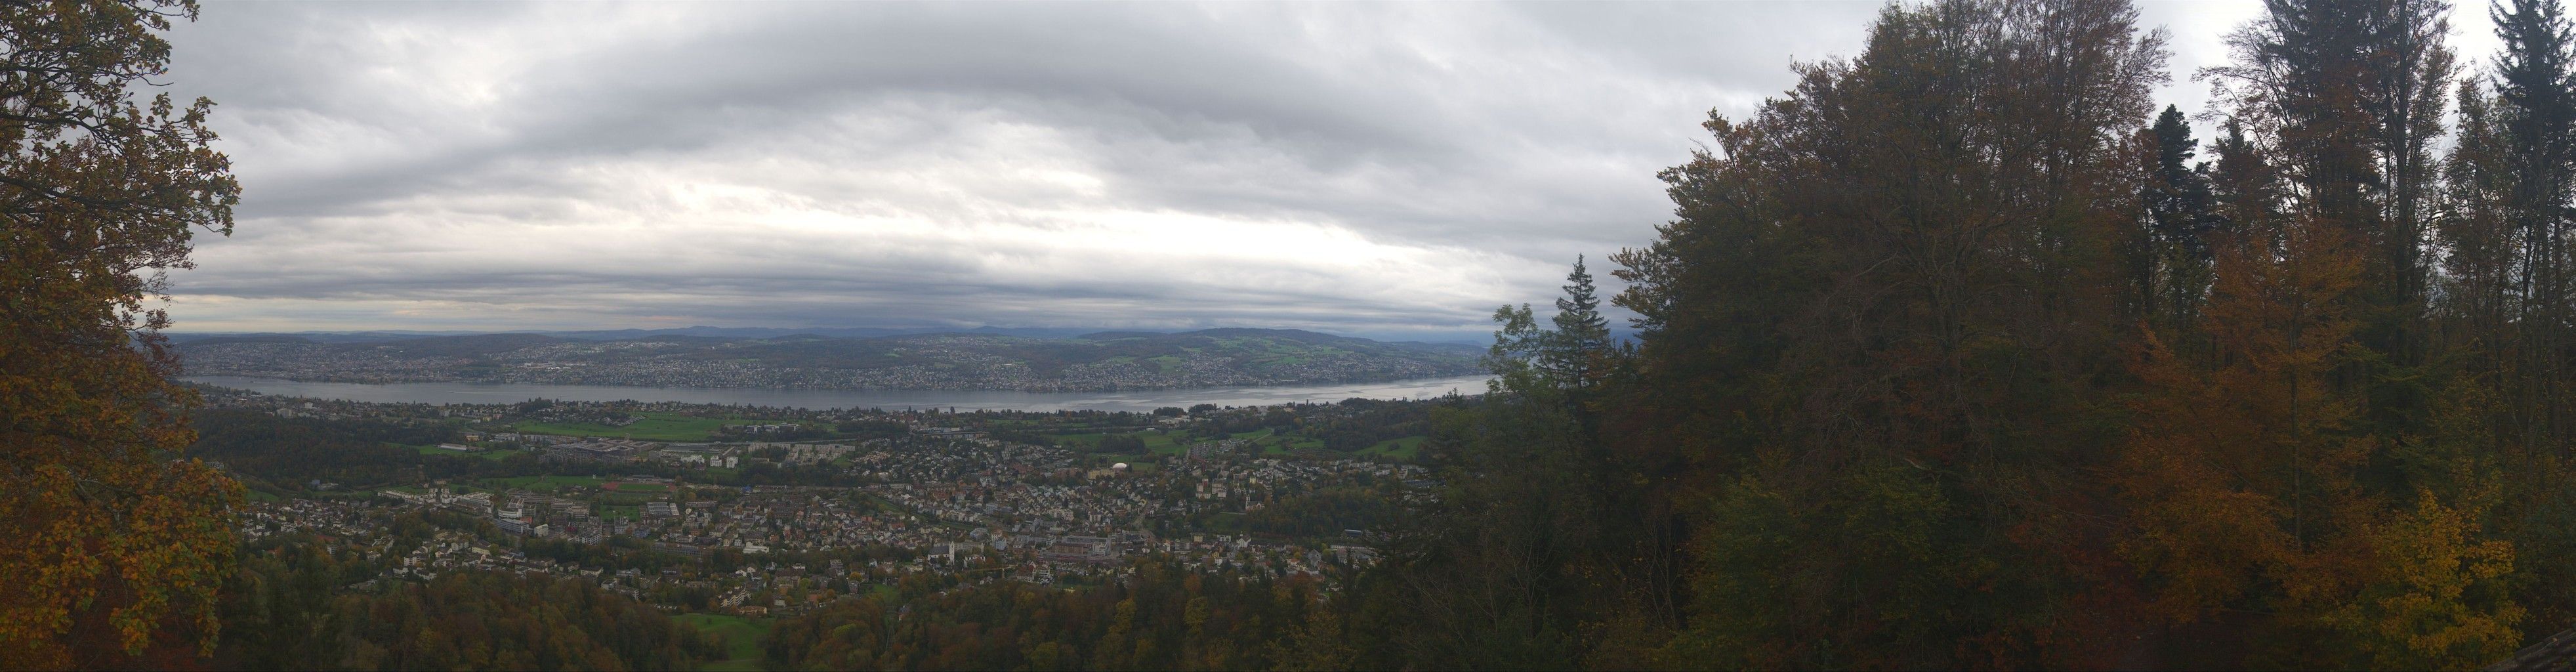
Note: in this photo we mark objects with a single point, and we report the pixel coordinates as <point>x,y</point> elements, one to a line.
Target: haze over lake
<point>962,400</point>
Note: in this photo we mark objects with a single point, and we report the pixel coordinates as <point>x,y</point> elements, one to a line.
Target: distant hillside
<point>978,361</point>
<point>632,334</point>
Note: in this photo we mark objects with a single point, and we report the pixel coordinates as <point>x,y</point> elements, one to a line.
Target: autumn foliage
<point>1960,355</point>
<point>115,542</point>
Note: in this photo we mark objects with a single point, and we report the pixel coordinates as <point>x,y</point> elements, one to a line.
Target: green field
<point>653,427</point>
<point>635,498</point>
<point>546,483</point>
<point>1269,443</point>
<point>1284,445</point>
<point>1275,445</point>
<point>642,487</point>
<point>743,639</point>
<point>1161,443</point>
<point>1225,522</point>
<point>1403,449</point>
<point>494,455</point>
<point>1157,443</point>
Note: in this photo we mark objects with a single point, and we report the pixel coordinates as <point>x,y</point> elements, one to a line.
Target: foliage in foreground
<point>113,544</point>
<point>287,609</point>
<point>1163,617</point>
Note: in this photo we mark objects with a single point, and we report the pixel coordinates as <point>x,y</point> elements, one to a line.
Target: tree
<point>2434,596</point>
<point>2174,266</point>
<point>1574,351</point>
<point>2482,250</point>
<point>2350,96</point>
<point>116,544</point>
<point>2239,471</point>
<point>1876,328</point>
<point>2536,119</point>
<point>2508,240</point>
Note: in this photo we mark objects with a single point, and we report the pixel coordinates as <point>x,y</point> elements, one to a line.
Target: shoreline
<point>818,399</point>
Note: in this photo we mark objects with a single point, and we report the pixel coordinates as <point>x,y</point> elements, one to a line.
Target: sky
<point>1373,169</point>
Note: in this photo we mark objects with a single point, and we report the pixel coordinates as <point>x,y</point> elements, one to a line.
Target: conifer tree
<point>2354,94</point>
<point>2180,217</point>
<point>2521,324</point>
<point>2538,128</point>
<point>1581,337</point>
<point>2480,242</point>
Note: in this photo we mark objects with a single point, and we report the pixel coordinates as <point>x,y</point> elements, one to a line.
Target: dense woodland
<point>286,609</point>
<point>259,447</point>
<point>1165,617</point>
<point>1961,354</point>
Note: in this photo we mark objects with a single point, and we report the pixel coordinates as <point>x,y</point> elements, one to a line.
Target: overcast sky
<point>1378,169</point>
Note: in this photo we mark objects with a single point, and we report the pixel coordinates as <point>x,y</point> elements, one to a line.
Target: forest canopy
<point>1962,353</point>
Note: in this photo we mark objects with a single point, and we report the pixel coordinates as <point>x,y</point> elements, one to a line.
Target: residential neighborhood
<point>737,524</point>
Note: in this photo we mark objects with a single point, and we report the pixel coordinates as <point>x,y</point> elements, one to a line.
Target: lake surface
<point>963,400</point>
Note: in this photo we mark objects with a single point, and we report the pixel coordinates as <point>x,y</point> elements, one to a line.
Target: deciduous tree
<point>116,542</point>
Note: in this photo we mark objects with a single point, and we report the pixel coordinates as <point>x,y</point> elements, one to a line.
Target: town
<point>773,512</point>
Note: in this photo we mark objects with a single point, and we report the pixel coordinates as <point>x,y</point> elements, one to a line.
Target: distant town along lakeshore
<point>1092,362</point>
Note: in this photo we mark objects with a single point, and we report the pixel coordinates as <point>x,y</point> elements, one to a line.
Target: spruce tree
<point>2180,218</point>
<point>2533,150</point>
<point>2539,127</point>
<point>1581,334</point>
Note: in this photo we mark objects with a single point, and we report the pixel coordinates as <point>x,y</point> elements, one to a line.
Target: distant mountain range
<point>982,359</point>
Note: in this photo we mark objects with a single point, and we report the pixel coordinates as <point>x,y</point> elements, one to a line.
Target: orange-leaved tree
<point>2241,459</point>
<point>115,544</point>
<point>2243,479</point>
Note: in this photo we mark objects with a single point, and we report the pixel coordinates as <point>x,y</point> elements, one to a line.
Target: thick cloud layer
<point>1345,167</point>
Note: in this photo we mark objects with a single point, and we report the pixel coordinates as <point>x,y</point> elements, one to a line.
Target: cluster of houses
<point>940,499</point>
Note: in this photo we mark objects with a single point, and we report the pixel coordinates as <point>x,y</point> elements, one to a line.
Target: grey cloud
<point>1384,167</point>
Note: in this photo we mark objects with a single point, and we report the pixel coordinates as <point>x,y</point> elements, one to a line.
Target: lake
<point>963,400</point>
